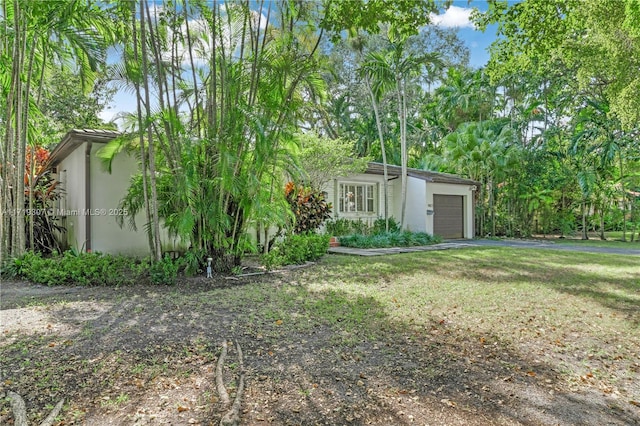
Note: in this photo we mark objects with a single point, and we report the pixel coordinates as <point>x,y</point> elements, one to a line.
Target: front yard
<point>471,336</point>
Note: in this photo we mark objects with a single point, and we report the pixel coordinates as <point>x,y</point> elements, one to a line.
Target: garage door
<point>448,216</point>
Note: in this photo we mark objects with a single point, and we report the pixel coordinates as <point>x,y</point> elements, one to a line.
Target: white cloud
<point>454,17</point>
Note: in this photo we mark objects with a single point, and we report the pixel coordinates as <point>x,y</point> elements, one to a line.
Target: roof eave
<point>75,137</point>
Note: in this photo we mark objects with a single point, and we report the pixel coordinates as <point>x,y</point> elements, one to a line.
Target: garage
<point>448,218</point>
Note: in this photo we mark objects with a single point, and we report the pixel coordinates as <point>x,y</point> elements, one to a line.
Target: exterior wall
<point>106,192</point>
<point>416,205</point>
<point>452,189</point>
<point>71,177</point>
<point>333,194</point>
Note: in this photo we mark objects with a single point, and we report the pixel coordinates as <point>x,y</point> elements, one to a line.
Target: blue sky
<point>457,16</point>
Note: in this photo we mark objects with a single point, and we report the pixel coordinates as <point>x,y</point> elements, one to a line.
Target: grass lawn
<point>468,336</point>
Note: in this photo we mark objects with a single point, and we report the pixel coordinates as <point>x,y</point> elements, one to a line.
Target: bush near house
<point>296,249</point>
<point>309,207</point>
<point>90,269</point>
<point>77,268</point>
<point>356,233</point>
<point>389,239</point>
<point>342,227</point>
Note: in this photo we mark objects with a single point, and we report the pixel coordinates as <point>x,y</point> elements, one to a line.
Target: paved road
<point>457,244</point>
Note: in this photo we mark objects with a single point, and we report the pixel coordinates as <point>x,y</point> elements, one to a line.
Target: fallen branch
<point>19,409</point>
<point>53,414</point>
<point>232,417</point>
<point>222,391</point>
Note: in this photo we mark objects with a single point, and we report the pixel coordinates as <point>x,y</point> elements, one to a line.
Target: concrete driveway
<point>548,245</point>
<point>458,244</point>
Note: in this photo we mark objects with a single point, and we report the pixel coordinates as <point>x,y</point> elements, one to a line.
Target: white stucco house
<point>437,203</point>
<point>88,203</point>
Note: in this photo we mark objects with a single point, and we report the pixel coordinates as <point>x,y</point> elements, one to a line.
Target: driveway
<point>546,245</point>
<point>458,244</point>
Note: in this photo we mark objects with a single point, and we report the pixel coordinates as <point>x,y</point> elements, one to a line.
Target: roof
<point>426,175</point>
<point>77,137</point>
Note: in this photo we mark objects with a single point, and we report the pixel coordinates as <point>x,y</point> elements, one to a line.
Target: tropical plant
<point>35,37</point>
<point>309,208</point>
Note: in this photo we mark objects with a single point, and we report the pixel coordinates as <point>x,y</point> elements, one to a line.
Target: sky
<point>457,16</point>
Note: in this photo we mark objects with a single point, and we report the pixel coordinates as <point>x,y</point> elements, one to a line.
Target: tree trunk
<point>383,151</point>
<point>624,197</point>
<point>157,249</point>
<point>143,153</point>
<point>585,236</point>
<point>402,116</point>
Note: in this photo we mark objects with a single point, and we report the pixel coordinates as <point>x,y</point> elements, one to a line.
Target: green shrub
<point>338,227</point>
<point>192,261</point>
<point>164,271</point>
<point>389,239</point>
<point>341,227</point>
<point>379,226</point>
<point>309,207</point>
<point>296,249</point>
<point>75,268</point>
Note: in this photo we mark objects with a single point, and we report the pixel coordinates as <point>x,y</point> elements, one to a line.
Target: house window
<point>356,198</point>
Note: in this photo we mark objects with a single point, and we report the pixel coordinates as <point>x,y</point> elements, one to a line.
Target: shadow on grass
<point>312,357</point>
<point>610,280</point>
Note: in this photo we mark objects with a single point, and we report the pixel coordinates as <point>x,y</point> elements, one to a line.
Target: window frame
<point>364,195</point>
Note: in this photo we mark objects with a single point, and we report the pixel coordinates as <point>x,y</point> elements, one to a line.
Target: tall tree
<point>35,37</point>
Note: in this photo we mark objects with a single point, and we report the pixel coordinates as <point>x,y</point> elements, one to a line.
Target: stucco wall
<point>107,189</point>
<point>416,205</point>
<point>106,192</point>
<point>450,189</point>
<point>72,201</point>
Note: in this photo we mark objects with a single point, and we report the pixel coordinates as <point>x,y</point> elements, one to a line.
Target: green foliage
<point>380,226</point>
<point>404,17</point>
<point>389,239</point>
<point>341,227</point>
<point>192,261</point>
<point>77,269</point>
<point>297,249</point>
<point>309,207</point>
<point>233,140</point>
<point>164,271</point>
<point>41,194</point>
<point>322,159</point>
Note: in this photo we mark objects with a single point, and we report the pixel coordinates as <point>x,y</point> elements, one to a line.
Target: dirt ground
<point>146,355</point>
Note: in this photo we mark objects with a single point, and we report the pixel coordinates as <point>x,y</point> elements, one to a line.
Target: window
<point>356,198</point>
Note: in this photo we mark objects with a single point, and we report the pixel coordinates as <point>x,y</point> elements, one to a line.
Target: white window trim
<point>340,202</point>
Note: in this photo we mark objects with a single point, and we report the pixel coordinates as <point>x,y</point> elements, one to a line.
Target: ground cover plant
<point>359,234</point>
<point>389,239</point>
<point>472,336</point>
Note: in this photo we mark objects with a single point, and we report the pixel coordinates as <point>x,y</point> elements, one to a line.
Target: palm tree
<point>35,37</point>
<point>391,71</point>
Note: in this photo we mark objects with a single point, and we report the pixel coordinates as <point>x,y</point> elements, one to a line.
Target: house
<point>88,208</point>
<point>88,205</point>
<point>437,203</point>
